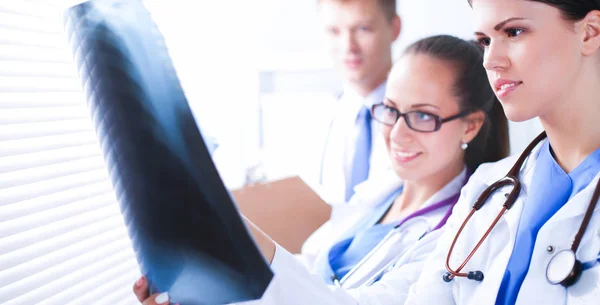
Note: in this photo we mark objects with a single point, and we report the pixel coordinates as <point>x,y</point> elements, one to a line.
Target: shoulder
<point>488,173</point>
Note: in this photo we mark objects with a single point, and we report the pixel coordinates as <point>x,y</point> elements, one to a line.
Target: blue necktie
<point>362,153</point>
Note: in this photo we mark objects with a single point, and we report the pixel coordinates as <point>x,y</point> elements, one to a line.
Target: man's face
<point>359,36</point>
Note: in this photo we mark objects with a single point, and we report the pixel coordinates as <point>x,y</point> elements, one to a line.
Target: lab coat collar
<point>578,205</point>
<point>449,190</point>
<point>374,191</point>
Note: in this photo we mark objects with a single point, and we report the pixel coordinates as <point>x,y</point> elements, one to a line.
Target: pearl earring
<point>464,146</point>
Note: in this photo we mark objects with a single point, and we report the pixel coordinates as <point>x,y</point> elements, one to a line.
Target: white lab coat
<point>330,177</point>
<point>494,254</point>
<point>295,284</point>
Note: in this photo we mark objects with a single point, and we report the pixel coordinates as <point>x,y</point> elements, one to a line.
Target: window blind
<point>62,238</point>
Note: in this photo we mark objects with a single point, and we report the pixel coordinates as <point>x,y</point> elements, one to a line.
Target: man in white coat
<point>359,34</point>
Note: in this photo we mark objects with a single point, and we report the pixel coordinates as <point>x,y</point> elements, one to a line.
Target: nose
<point>495,58</point>
<point>400,130</point>
<point>349,43</point>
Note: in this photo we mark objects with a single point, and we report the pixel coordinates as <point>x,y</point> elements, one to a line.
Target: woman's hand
<point>265,245</point>
<point>140,288</point>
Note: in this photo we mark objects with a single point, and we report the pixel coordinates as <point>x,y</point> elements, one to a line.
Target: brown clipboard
<point>288,210</point>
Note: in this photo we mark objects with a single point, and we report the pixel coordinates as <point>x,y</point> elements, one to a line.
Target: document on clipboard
<point>185,228</point>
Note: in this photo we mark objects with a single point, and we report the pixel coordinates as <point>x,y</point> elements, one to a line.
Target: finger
<point>140,288</point>
<point>157,299</point>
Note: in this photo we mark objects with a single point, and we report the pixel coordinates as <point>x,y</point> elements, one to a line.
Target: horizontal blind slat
<point>111,292</point>
<point>21,53</point>
<point>27,38</point>
<point>109,283</point>
<point>56,279</point>
<point>38,84</point>
<point>15,147</point>
<point>54,216</point>
<point>39,159</point>
<point>20,100</point>
<point>22,255</point>
<point>37,189</point>
<point>61,256</point>
<point>52,171</point>
<point>43,129</point>
<point>24,8</point>
<point>54,200</point>
<point>15,68</point>
<point>29,23</point>
<point>38,115</point>
<point>24,239</point>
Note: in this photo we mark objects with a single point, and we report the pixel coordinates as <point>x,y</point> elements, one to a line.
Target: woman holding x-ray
<point>440,121</point>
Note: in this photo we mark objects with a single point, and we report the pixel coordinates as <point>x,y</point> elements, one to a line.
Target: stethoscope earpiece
<point>447,277</point>
<point>475,275</point>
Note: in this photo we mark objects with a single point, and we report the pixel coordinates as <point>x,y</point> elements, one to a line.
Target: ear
<point>591,29</point>
<point>473,121</point>
<point>396,27</point>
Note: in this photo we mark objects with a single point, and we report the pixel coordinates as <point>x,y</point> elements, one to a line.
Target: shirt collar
<point>376,96</point>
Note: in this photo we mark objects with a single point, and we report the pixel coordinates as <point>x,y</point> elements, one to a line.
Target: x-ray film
<point>187,234</point>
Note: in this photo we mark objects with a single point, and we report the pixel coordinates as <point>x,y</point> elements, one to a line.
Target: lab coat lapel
<point>492,258</point>
<point>577,206</point>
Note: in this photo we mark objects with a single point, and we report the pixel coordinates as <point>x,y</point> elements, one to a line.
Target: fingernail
<point>162,298</point>
<point>139,282</point>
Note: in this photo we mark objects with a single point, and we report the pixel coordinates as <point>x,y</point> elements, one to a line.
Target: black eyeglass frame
<point>438,120</point>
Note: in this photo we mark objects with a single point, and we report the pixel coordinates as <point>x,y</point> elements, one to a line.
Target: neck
<point>416,193</point>
<point>364,87</point>
<point>572,126</point>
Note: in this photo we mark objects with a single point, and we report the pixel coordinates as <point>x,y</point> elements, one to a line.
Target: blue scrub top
<point>550,189</point>
<point>344,255</point>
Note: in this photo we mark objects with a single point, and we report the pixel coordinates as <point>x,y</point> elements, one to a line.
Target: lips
<point>405,157</point>
<point>505,87</point>
<point>352,63</point>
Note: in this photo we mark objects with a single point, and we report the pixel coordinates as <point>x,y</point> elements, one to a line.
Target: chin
<point>516,114</point>
<point>407,174</point>
<point>354,76</point>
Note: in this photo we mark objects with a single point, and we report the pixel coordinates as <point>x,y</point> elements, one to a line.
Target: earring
<point>464,146</point>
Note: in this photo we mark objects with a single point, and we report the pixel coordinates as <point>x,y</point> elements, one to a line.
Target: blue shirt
<point>550,189</point>
<point>344,255</point>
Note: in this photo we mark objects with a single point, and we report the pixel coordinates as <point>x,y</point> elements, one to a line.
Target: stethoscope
<point>563,268</point>
<point>394,237</point>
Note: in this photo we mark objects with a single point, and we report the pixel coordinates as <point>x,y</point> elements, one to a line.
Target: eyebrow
<point>424,105</point>
<point>501,24</point>
<point>413,106</point>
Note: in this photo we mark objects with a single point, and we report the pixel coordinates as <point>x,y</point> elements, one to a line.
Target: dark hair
<point>571,9</point>
<point>474,92</point>
<point>388,7</point>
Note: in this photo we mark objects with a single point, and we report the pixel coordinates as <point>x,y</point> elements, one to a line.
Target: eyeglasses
<point>420,121</point>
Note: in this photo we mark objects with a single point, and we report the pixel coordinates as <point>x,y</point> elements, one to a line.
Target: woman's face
<point>532,55</point>
<point>421,82</point>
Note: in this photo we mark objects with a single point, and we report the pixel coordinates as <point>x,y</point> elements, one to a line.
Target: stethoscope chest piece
<point>564,268</point>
